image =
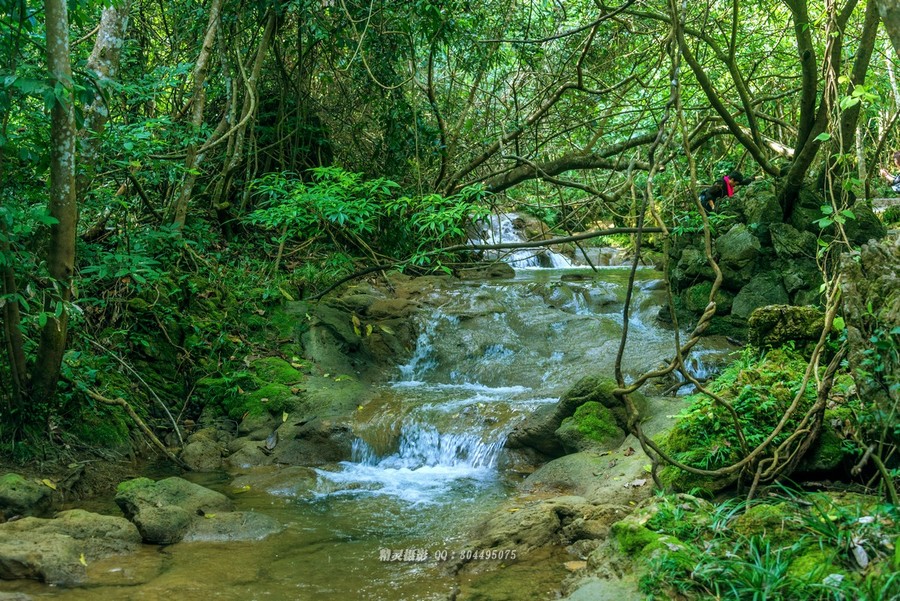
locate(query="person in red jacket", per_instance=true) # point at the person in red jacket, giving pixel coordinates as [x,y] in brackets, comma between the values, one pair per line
[722,188]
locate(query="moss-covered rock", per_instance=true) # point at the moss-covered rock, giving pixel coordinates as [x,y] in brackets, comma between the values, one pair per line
[632,537]
[19,496]
[696,298]
[777,523]
[773,326]
[592,426]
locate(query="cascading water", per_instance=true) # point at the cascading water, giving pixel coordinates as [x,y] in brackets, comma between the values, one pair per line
[500,228]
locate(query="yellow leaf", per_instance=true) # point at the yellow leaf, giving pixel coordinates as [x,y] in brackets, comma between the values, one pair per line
[368,329]
[46,482]
[285,294]
[209,516]
[82,560]
[386,329]
[284,416]
[326,375]
[264,400]
[359,408]
[356,331]
[513,510]
[356,321]
[244,488]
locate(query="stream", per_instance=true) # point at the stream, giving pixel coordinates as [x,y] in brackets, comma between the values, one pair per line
[429,462]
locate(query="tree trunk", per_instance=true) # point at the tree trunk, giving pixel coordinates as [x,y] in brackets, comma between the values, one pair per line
[103,64]
[62,206]
[890,15]
[198,100]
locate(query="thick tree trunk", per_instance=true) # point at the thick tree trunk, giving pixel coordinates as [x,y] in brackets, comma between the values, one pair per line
[890,15]
[62,206]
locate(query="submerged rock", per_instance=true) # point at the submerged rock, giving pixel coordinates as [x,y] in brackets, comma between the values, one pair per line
[231,527]
[19,496]
[57,550]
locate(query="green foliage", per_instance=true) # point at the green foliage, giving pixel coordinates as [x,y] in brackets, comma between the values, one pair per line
[691,222]
[347,209]
[801,546]
[760,388]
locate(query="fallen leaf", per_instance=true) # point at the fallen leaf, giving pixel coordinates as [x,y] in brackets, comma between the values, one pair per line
[46,482]
[209,516]
[244,488]
[629,451]
[386,329]
[574,566]
[368,329]
[860,555]
[284,416]
[513,510]
[82,560]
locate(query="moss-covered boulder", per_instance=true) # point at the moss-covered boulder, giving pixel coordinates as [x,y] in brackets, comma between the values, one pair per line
[163,510]
[777,523]
[760,389]
[773,326]
[19,496]
[57,550]
[696,298]
[539,430]
[592,426]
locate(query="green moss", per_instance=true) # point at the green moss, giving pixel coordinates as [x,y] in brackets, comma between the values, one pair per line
[595,421]
[813,565]
[274,369]
[633,538]
[759,388]
[272,397]
[134,484]
[696,298]
[777,523]
[100,427]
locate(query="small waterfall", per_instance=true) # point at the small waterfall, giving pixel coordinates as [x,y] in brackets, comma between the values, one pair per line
[502,228]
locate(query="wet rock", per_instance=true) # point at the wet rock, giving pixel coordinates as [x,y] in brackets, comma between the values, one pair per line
[313,443]
[56,550]
[163,510]
[530,526]
[696,298]
[248,454]
[257,427]
[19,496]
[764,289]
[601,589]
[774,325]
[493,271]
[539,430]
[203,455]
[279,481]
[231,527]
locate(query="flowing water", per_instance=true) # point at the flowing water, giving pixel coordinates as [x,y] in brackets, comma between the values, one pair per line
[429,463]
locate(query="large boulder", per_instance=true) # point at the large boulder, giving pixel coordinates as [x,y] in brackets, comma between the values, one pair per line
[790,242]
[738,248]
[541,430]
[764,289]
[232,526]
[19,496]
[774,325]
[865,227]
[163,510]
[57,550]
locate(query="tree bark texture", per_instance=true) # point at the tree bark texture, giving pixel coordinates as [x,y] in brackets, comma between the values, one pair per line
[62,206]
